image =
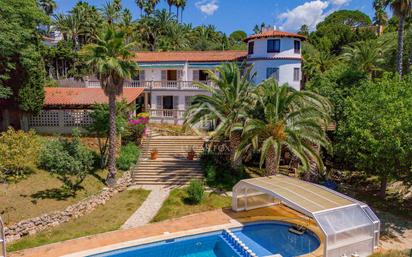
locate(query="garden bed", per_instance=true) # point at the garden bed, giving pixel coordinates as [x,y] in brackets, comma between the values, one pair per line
[178,205]
[104,218]
[41,193]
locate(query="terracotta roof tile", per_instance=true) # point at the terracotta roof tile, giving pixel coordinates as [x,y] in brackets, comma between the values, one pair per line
[274,33]
[190,56]
[84,96]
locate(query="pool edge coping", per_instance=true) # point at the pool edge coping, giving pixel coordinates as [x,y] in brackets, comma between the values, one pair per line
[153,239]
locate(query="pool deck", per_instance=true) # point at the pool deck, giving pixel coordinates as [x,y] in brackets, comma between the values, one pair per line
[193,224]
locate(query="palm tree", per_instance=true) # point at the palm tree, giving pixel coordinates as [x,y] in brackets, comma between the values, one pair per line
[179,4]
[381,17]
[111,11]
[183,6]
[366,56]
[110,58]
[140,4]
[402,9]
[48,6]
[170,3]
[226,104]
[286,119]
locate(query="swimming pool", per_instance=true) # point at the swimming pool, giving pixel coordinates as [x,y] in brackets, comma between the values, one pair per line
[262,238]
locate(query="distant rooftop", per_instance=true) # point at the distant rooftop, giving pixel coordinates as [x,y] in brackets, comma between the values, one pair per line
[274,33]
[190,56]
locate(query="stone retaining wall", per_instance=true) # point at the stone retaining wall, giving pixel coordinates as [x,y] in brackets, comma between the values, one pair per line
[34,225]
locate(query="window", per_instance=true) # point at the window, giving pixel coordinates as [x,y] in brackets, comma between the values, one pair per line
[251,47]
[203,76]
[188,101]
[297,46]
[273,45]
[296,74]
[272,73]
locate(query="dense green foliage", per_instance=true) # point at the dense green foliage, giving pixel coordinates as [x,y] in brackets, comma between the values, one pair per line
[195,191]
[286,120]
[129,154]
[19,151]
[376,133]
[99,127]
[21,64]
[69,160]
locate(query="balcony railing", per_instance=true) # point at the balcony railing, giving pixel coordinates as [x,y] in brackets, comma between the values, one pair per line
[164,85]
[167,113]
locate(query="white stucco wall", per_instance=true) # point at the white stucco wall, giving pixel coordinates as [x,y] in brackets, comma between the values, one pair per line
[181,94]
[286,69]
[286,48]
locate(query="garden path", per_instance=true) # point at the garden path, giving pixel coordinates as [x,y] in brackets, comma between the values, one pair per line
[149,208]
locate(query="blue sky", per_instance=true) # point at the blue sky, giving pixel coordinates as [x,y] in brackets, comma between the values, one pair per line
[231,15]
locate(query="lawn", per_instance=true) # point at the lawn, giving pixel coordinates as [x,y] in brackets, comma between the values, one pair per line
[40,193]
[177,205]
[391,253]
[104,218]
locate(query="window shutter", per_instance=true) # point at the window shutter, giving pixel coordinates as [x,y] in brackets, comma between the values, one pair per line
[142,75]
[164,75]
[159,103]
[175,102]
[195,75]
[180,75]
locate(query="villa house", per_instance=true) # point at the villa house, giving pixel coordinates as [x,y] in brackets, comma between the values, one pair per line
[168,78]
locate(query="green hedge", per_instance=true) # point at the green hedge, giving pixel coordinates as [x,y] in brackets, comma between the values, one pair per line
[129,154]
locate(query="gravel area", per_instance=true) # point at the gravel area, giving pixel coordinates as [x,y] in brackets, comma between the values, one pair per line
[150,207]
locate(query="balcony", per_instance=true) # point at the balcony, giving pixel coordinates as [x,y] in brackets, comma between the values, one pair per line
[157,85]
[169,116]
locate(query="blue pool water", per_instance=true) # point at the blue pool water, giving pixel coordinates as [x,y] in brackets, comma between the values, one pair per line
[263,238]
[274,238]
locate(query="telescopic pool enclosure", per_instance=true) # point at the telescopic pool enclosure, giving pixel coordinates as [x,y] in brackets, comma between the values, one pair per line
[350,227]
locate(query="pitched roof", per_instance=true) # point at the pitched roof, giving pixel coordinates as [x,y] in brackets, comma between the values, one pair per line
[274,33]
[85,96]
[190,56]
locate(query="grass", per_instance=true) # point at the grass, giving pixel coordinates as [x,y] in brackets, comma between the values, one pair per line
[104,218]
[40,193]
[177,205]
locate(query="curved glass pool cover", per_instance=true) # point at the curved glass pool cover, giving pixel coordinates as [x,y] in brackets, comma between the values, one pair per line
[349,226]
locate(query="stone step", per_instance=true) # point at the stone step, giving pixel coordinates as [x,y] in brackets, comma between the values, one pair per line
[183,181]
[167,177]
[165,167]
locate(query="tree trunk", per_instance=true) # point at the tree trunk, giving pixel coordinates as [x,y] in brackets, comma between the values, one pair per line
[410,61]
[313,169]
[271,162]
[384,183]
[234,139]
[181,16]
[177,14]
[399,56]
[111,176]
[170,9]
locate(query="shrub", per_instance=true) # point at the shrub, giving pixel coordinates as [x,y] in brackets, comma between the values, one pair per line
[210,171]
[128,156]
[195,191]
[71,161]
[18,154]
[135,129]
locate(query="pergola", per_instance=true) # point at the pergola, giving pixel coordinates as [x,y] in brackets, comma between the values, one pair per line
[349,226]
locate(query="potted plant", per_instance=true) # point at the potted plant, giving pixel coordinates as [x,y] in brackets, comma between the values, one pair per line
[191,154]
[153,154]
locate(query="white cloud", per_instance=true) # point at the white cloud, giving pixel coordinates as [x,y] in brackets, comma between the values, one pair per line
[309,13]
[339,2]
[208,7]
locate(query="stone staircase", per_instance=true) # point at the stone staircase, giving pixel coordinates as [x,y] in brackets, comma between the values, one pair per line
[172,167]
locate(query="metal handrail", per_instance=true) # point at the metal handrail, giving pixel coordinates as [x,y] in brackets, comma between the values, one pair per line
[2,238]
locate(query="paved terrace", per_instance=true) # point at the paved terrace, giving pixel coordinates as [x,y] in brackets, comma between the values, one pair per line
[192,224]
